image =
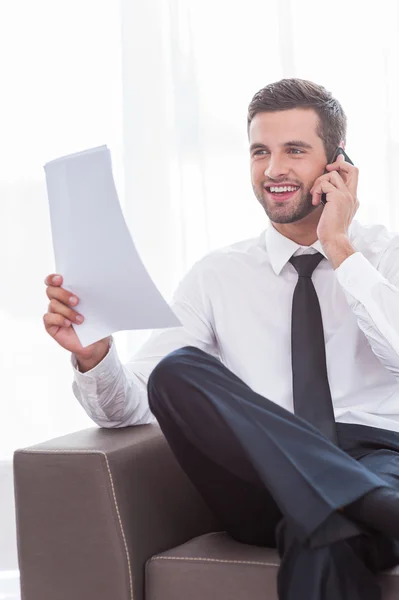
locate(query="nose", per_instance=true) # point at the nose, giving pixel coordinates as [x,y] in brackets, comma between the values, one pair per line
[276,167]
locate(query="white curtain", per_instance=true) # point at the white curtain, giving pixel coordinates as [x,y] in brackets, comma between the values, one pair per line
[61,92]
[190,69]
[166,84]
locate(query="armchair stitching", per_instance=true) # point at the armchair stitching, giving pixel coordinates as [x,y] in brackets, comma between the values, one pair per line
[121,526]
[217,560]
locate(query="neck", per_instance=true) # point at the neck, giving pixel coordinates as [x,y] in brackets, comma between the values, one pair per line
[303,232]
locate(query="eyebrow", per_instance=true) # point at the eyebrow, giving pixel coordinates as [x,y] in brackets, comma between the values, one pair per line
[290,144]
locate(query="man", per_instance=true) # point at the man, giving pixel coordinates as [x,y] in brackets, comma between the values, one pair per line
[280,394]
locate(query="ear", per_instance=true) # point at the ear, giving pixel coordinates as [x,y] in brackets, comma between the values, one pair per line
[342,145]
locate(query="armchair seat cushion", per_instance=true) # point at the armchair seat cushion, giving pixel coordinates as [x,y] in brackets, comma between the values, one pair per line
[215,566]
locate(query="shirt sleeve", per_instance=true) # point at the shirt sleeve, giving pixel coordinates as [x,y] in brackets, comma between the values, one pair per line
[115,395]
[373,295]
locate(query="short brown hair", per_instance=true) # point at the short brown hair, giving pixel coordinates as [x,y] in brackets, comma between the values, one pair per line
[299,93]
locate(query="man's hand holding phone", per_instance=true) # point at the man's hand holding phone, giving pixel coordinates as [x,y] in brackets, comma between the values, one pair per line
[339,184]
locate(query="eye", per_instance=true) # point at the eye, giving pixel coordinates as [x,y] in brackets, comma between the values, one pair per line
[296,151]
[259,152]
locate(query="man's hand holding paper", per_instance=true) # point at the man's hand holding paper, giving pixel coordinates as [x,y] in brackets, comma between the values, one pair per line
[96,256]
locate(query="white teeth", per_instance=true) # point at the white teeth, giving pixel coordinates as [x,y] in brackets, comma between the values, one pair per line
[287,188]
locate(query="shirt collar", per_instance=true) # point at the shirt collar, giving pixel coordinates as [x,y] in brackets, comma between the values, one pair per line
[280,248]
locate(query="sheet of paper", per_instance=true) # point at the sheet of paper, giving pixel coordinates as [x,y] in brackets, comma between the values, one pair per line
[94,251]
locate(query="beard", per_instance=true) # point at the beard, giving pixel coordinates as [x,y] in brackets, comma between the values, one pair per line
[288,211]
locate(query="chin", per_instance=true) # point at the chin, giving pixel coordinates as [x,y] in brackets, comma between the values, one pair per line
[289,213]
[293,214]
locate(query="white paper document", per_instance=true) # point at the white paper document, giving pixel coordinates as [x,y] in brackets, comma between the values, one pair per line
[94,251]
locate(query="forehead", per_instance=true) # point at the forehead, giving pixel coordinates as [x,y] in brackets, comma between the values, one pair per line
[278,127]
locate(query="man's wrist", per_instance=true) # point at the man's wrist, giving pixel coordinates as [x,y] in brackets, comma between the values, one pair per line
[100,352]
[338,250]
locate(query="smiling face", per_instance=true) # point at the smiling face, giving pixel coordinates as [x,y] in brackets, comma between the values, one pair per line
[286,151]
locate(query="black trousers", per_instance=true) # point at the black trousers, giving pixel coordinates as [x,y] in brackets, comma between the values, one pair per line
[274,480]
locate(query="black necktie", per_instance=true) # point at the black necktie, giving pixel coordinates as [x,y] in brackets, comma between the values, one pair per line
[312,396]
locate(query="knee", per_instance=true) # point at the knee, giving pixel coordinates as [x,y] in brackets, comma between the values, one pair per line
[167,377]
[172,365]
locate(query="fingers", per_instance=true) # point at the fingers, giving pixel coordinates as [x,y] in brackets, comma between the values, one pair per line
[341,165]
[53,322]
[60,308]
[57,292]
[323,187]
[62,295]
[338,167]
[53,279]
[61,300]
[333,178]
[348,172]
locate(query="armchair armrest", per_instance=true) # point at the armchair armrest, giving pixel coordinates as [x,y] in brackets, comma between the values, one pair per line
[93,506]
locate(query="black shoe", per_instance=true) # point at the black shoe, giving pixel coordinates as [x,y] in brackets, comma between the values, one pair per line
[378,510]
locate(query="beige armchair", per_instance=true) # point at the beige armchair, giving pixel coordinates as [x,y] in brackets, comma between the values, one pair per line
[107,514]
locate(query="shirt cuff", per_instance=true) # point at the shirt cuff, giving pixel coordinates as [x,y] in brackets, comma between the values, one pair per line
[358,277]
[105,369]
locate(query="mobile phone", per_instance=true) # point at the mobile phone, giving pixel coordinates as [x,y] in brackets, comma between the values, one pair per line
[337,152]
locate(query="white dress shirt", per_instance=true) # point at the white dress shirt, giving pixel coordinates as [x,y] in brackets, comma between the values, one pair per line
[236,302]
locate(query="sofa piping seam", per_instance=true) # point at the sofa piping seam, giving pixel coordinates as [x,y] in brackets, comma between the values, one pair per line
[60,450]
[218,560]
[120,525]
